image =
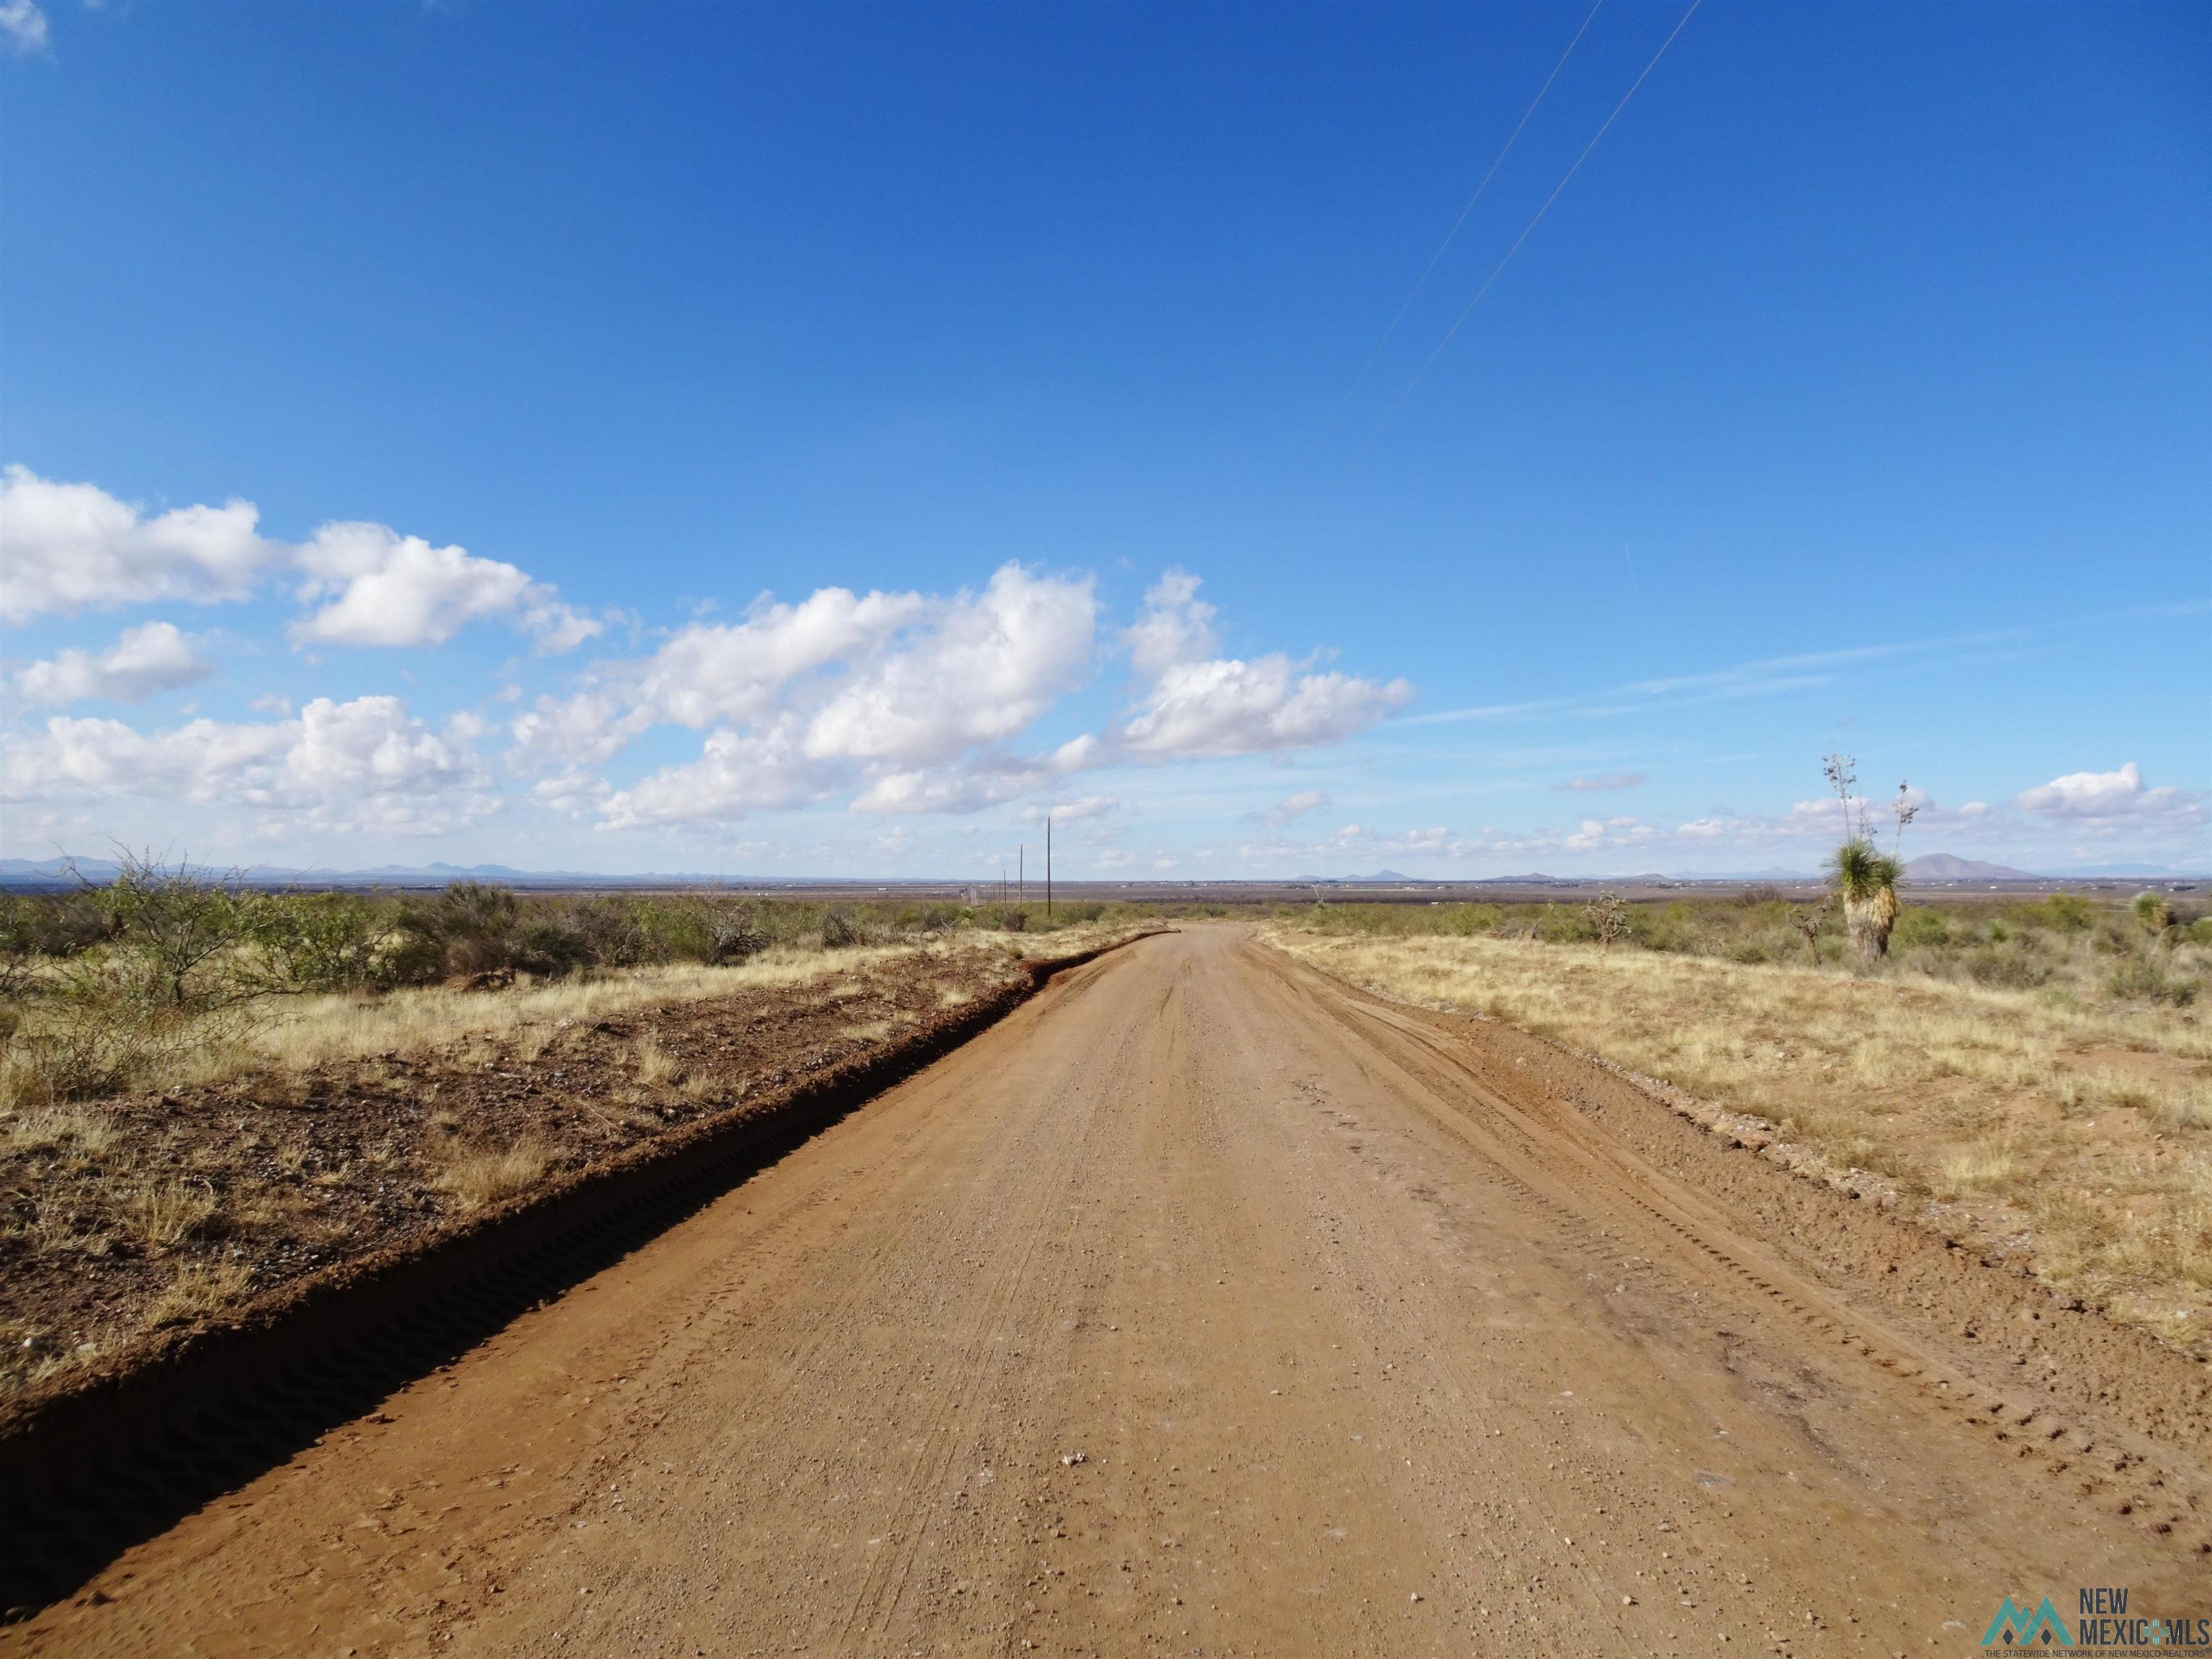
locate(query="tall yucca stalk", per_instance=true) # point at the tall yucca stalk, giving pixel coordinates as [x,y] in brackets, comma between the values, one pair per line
[1867,881]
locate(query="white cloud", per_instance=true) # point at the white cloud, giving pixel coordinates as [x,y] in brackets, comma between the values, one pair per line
[944,790]
[736,773]
[1229,707]
[151,658]
[1176,626]
[2110,797]
[580,730]
[711,673]
[982,672]
[1072,811]
[1292,806]
[24,25]
[1600,781]
[1196,705]
[366,764]
[386,589]
[909,699]
[74,547]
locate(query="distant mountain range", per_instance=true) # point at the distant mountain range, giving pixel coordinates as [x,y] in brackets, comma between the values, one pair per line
[1943,866]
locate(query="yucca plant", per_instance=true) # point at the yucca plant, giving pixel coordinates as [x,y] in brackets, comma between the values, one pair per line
[1866,879]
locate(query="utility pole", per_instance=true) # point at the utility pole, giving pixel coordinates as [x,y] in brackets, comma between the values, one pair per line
[1021,873]
[1047,867]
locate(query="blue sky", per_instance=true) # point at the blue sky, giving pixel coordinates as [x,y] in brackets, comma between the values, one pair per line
[819,439]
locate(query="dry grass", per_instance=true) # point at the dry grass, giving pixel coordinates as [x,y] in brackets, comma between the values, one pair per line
[163,1214]
[2081,1135]
[521,1021]
[73,1129]
[197,1290]
[479,1175]
[656,1067]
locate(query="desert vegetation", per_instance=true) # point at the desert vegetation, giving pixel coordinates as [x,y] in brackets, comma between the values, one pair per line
[2035,1075]
[206,1090]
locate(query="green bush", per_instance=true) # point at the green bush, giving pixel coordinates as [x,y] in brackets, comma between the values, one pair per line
[1922,924]
[323,942]
[2067,913]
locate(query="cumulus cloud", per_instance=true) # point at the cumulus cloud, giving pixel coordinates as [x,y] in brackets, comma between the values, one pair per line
[911,700]
[145,660]
[1197,705]
[1229,706]
[72,547]
[2110,798]
[1602,781]
[23,25]
[984,671]
[381,588]
[737,772]
[366,764]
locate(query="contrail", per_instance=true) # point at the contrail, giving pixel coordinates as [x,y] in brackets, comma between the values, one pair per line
[1428,270]
[1424,369]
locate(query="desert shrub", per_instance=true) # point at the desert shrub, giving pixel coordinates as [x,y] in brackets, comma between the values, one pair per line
[736,934]
[180,937]
[2013,965]
[1922,924]
[2067,913]
[50,924]
[311,942]
[550,946]
[2153,912]
[107,1026]
[613,934]
[469,928]
[839,930]
[2142,980]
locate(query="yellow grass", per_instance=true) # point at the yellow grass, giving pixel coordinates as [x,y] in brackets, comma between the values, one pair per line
[476,1177]
[2083,1135]
[163,1214]
[316,1030]
[198,1290]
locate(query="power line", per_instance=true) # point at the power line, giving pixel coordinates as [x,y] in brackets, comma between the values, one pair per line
[1421,373]
[1428,270]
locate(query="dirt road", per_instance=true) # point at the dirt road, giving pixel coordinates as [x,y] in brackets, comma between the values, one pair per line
[1204,1306]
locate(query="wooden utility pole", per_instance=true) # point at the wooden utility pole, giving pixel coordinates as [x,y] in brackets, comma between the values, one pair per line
[1021,873]
[1047,867]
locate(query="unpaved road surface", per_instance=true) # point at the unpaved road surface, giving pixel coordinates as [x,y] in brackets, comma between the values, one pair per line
[1205,1306]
